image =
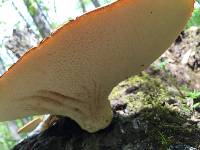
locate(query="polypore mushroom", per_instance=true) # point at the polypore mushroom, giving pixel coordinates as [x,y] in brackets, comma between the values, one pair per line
[72,72]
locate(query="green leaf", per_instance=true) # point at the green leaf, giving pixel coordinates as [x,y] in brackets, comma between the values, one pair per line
[196,105]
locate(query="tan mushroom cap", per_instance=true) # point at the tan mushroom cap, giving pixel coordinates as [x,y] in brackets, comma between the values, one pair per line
[72,72]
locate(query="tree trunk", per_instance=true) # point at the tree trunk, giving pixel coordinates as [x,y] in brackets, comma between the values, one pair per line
[96,3]
[38,18]
[82,6]
[21,41]
[40,7]
[2,67]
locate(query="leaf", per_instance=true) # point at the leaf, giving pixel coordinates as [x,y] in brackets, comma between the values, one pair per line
[196,105]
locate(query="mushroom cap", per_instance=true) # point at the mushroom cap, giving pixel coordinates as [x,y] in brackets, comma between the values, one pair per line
[72,72]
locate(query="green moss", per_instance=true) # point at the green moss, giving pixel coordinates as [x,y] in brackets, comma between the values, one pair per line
[167,127]
[149,98]
[150,92]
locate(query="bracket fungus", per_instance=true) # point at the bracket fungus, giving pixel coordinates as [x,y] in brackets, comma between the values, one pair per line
[72,72]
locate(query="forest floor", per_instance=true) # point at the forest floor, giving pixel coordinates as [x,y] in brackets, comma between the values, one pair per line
[158,109]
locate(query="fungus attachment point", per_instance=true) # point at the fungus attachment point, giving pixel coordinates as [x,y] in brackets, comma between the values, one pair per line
[72,72]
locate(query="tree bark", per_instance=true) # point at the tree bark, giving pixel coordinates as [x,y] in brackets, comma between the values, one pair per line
[41,8]
[21,41]
[38,18]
